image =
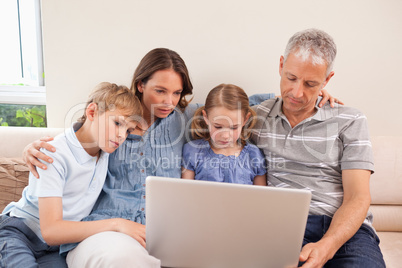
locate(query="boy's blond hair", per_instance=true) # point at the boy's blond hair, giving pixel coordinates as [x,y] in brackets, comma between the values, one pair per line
[109,96]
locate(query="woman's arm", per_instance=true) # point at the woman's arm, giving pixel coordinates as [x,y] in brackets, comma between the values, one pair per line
[258,98]
[187,174]
[260,180]
[327,97]
[57,231]
[31,154]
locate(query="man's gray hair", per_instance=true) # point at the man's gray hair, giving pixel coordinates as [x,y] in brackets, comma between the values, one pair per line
[313,44]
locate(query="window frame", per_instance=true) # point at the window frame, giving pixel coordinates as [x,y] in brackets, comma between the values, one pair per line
[21,94]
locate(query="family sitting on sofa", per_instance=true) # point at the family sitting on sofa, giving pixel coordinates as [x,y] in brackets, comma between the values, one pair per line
[114,137]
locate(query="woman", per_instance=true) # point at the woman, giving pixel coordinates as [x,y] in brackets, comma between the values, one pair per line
[161,81]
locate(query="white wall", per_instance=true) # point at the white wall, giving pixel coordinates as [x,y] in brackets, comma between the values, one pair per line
[239,42]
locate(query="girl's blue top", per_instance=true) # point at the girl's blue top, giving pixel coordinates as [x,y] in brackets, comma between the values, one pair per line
[199,157]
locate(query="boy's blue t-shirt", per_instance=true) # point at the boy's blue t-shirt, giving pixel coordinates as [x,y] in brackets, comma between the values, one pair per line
[209,166]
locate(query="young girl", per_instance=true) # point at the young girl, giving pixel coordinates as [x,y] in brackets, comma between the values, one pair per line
[219,151]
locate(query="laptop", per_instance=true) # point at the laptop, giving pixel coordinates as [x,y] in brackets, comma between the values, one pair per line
[192,223]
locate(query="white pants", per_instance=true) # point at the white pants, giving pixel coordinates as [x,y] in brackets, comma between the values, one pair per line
[111,249]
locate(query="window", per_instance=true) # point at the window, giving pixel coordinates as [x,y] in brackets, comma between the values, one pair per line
[21,64]
[22,115]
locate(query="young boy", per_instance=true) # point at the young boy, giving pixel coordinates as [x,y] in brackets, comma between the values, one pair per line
[50,210]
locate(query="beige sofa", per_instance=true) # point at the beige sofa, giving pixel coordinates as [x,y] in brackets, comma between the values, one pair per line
[386,182]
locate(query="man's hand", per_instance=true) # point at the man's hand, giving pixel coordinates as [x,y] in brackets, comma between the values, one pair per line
[346,220]
[316,254]
[31,154]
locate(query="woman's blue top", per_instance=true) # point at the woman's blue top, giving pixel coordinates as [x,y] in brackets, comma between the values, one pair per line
[199,157]
[157,153]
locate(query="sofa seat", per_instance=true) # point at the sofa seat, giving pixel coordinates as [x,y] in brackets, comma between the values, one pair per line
[391,247]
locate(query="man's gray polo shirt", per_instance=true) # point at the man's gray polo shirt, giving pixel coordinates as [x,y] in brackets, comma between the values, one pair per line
[313,154]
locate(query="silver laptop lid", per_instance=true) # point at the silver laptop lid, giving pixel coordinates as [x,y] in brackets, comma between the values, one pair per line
[209,224]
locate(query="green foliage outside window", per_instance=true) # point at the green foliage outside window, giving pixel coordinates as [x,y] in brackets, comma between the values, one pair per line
[22,115]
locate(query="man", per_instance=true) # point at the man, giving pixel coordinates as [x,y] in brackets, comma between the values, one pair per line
[325,150]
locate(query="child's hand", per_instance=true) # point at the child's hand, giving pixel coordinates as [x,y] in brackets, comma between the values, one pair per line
[133,229]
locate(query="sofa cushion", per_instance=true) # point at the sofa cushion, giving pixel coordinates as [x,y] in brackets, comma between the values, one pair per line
[386,182]
[387,218]
[13,179]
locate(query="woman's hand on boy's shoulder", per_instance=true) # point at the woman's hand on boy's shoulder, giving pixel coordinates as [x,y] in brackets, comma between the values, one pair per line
[32,154]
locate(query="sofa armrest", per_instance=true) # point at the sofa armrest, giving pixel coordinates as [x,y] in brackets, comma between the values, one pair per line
[13,179]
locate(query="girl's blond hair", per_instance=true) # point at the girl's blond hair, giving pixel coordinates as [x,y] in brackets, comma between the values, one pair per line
[230,97]
[109,96]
